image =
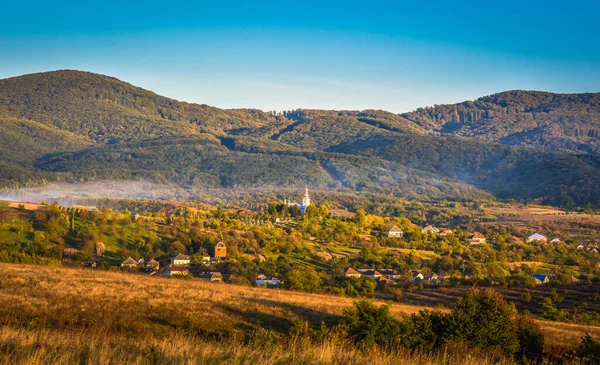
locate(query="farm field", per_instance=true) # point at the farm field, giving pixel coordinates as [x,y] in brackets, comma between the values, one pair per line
[539,216]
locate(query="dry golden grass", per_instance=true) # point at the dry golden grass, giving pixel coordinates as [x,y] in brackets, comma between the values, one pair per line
[53,347]
[63,315]
[94,298]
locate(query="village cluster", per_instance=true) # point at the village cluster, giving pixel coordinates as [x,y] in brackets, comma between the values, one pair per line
[429,277]
[181,265]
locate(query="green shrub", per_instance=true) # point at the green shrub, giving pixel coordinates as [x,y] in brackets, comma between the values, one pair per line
[368,325]
[589,350]
[484,319]
[531,339]
[428,330]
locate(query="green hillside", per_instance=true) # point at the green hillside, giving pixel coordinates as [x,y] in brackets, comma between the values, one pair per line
[74,126]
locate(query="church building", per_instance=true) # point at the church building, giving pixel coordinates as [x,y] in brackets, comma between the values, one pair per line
[305,202]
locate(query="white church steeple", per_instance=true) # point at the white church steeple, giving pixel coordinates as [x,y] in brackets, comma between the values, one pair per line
[306,199]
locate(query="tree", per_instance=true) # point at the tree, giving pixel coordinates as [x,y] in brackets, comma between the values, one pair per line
[531,339]
[324,211]
[483,318]
[370,325]
[360,217]
[303,279]
[311,212]
[294,210]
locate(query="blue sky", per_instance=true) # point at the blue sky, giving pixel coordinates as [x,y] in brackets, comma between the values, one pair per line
[275,55]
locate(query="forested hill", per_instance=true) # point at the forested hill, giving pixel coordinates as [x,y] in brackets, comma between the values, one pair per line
[74,126]
[106,109]
[560,122]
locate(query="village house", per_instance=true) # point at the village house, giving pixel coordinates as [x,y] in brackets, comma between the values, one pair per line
[446,232]
[556,240]
[212,277]
[516,240]
[262,279]
[580,246]
[129,263]
[431,229]
[205,257]
[180,259]
[476,239]
[395,232]
[370,273]
[390,274]
[173,270]
[429,278]
[417,277]
[536,237]
[541,279]
[153,265]
[351,273]
[220,251]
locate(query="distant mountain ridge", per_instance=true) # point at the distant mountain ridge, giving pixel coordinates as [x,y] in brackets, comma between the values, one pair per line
[74,125]
[558,122]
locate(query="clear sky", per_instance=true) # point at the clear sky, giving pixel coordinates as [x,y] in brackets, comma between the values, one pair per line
[278,55]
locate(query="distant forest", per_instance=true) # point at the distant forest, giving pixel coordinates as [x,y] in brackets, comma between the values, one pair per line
[77,126]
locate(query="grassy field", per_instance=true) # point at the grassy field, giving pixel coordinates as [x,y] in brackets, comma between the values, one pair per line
[65,315]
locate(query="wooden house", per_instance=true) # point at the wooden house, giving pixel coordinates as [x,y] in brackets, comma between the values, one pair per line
[476,239]
[173,270]
[180,260]
[536,237]
[541,279]
[390,274]
[129,263]
[351,273]
[430,229]
[395,232]
[370,273]
[212,276]
[153,265]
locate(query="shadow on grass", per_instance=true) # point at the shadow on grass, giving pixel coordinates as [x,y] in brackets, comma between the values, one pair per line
[314,317]
[263,319]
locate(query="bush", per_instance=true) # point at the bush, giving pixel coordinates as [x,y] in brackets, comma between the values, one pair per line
[428,330]
[589,350]
[484,319]
[531,340]
[303,279]
[368,325]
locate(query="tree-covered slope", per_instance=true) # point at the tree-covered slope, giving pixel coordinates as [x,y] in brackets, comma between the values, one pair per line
[106,109]
[72,125]
[561,122]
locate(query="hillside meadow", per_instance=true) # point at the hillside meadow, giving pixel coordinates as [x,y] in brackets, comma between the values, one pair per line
[67,315]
